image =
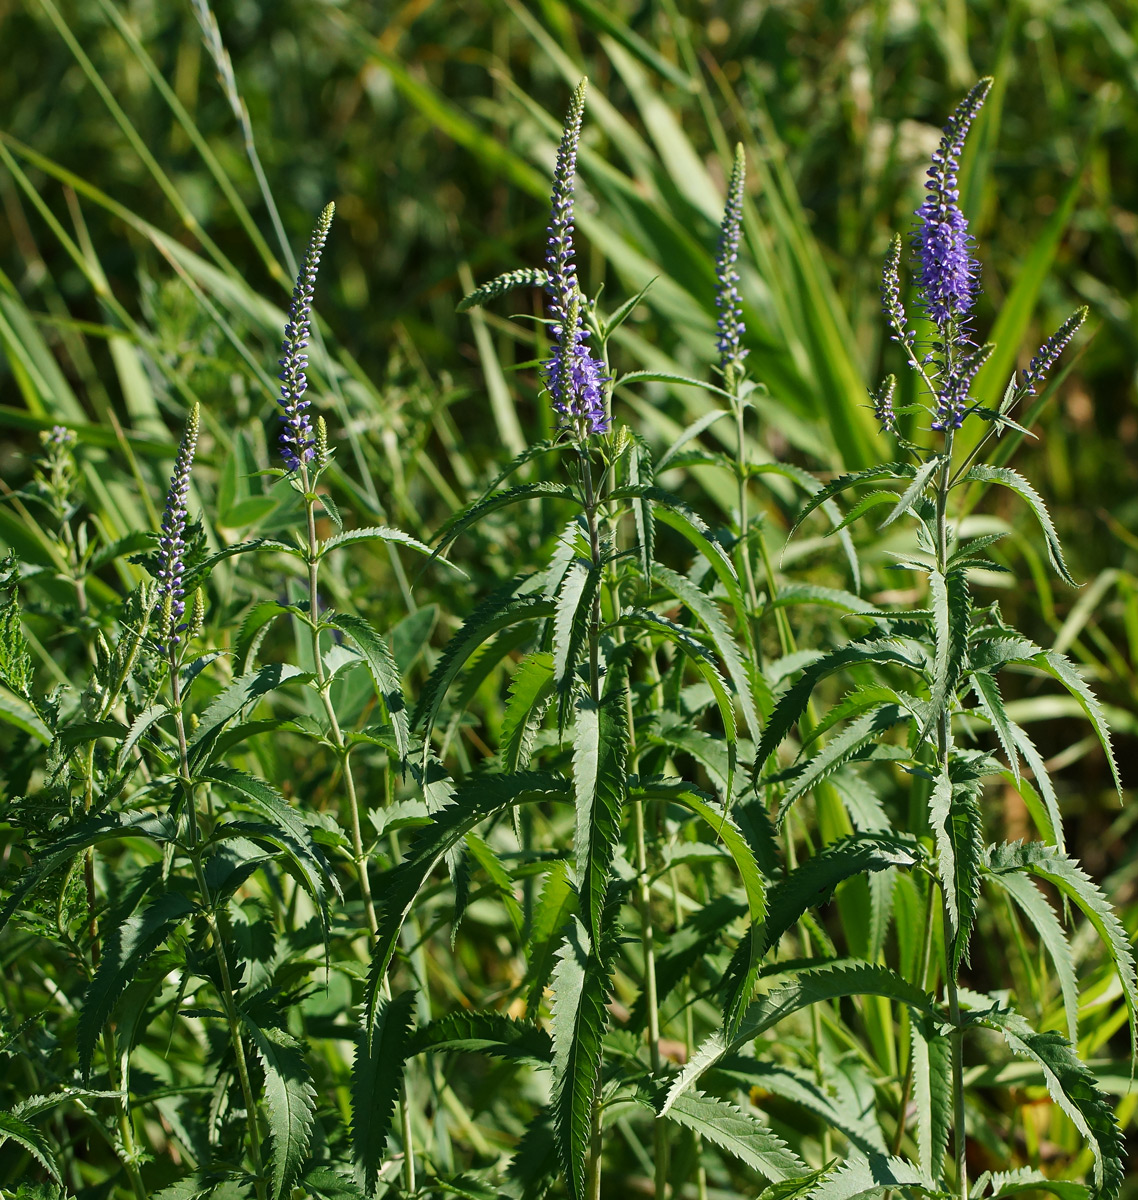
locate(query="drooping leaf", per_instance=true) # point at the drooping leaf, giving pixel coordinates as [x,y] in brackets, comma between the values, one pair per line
[374,533]
[913,492]
[810,986]
[127,945]
[474,512]
[580,993]
[485,1032]
[600,751]
[982,473]
[813,881]
[377,1075]
[1050,864]
[738,1133]
[530,685]
[894,470]
[34,1142]
[385,674]
[290,1101]
[228,703]
[1073,1088]
[1043,919]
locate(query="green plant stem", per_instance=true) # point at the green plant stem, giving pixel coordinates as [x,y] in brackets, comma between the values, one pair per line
[922,976]
[944,749]
[227,993]
[118,1081]
[323,688]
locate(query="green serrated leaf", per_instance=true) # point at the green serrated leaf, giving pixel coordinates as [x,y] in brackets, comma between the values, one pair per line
[290,1101]
[530,686]
[385,674]
[738,1133]
[485,1032]
[377,1075]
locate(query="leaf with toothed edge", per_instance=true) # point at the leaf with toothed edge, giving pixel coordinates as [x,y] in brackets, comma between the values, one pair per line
[1072,1086]
[290,1101]
[530,686]
[29,1137]
[600,747]
[385,674]
[377,1075]
[580,995]
[1067,877]
[811,986]
[871,1176]
[738,1133]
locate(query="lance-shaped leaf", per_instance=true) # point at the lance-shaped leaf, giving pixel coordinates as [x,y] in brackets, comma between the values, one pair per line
[375,533]
[496,612]
[19,1131]
[127,945]
[812,883]
[895,470]
[600,751]
[871,1176]
[952,609]
[377,1075]
[913,492]
[472,802]
[1073,1088]
[991,704]
[228,703]
[522,277]
[1067,877]
[1042,918]
[954,817]
[530,686]
[982,473]
[810,986]
[571,620]
[708,613]
[792,704]
[642,473]
[385,674]
[473,513]
[290,1101]
[932,1092]
[88,832]
[1041,801]
[491,1033]
[839,750]
[558,900]
[1013,1183]
[738,1133]
[580,994]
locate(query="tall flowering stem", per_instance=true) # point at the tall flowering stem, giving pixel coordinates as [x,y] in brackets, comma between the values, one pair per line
[947,269]
[297,440]
[574,377]
[172,541]
[727,298]
[171,591]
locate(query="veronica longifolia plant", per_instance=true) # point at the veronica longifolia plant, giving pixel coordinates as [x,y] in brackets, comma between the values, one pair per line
[937,681]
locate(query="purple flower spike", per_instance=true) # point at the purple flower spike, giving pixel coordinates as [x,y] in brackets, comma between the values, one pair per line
[891,294]
[1049,352]
[947,268]
[576,385]
[297,441]
[727,298]
[171,542]
[883,404]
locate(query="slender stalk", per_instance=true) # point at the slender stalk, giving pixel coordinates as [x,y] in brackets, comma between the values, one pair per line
[922,977]
[228,1000]
[323,689]
[944,750]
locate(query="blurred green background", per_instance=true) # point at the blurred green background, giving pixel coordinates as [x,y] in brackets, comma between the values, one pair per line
[152,181]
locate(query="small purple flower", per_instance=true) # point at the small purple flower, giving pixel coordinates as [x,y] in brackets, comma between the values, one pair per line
[883,404]
[171,542]
[947,269]
[953,397]
[727,298]
[297,441]
[576,384]
[1049,352]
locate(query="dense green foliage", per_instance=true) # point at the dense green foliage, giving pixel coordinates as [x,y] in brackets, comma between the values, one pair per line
[691,809]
